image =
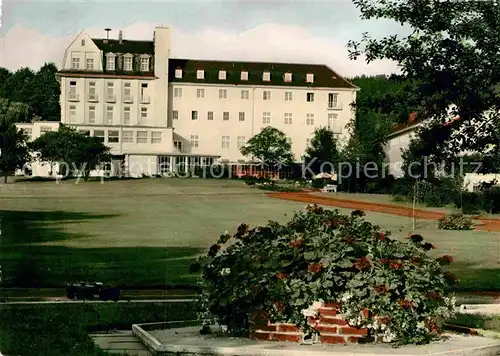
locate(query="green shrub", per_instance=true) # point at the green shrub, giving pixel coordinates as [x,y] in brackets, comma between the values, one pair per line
[278,187]
[318,183]
[492,200]
[324,255]
[471,203]
[455,222]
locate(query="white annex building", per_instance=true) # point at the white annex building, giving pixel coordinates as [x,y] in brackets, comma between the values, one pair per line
[157,113]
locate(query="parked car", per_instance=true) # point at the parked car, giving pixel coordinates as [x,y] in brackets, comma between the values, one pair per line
[91,291]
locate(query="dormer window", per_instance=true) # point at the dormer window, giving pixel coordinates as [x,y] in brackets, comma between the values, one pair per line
[178,73]
[144,64]
[200,74]
[287,77]
[127,63]
[82,42]
[266,76]
[75,63]
[310,78]
[222,75]
[110,61]
[244,75]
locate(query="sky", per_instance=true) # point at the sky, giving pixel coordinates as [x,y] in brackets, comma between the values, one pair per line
[37,31]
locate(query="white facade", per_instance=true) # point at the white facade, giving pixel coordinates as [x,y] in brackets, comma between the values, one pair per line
[151,114]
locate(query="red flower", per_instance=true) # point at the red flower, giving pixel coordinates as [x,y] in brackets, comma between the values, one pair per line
[213,250]
[282,276]
[433,296]
[242,230]
[382,289]
[349,240]
[358,212]
[449,277]
[395,265]
[296,243]
[279,306]
[314,208]
[384,320]
[444,260]
[416,260]
[315,267]
[362,263]
[406,304]
[386,261]
[428,246]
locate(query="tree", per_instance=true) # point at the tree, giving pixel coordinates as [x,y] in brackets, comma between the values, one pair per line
[75,152]
[322,155]
[270,147]
[13,141]
[450,55]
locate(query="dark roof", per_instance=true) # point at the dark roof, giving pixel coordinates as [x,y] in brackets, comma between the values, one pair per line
[79,73]
[127,46]
[323,76]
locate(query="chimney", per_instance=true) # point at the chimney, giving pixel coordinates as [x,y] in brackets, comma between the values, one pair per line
[120,37]
[107,35]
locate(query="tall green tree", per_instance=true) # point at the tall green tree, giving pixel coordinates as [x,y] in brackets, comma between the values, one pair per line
[451,55]
[322,155]
[13,141]
[271,147]
[72,150]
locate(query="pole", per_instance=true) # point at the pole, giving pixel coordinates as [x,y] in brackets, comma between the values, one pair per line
[414,202]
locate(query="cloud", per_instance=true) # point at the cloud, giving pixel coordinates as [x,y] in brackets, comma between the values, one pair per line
[266,42]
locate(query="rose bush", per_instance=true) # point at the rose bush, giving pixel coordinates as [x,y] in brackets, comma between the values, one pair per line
[325,255]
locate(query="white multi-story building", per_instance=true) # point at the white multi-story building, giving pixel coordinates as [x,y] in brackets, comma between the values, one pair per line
[157,112]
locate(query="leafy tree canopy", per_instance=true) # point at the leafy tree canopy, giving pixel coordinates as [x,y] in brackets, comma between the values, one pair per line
[322,155]
[76,152]
[270,147]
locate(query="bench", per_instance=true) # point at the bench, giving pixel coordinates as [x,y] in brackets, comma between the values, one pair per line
[330,188]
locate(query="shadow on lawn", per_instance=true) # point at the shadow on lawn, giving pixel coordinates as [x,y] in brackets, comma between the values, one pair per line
[474,279]
[25,264]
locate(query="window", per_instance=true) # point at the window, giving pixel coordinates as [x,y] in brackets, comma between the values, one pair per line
[331,121]
[113,136]
[266,76]
[200,74]
[45,129]
[110,92]
[91,116]
[225,116]
[194,141]
[92,94]
[222,94]
[72,113]
[75,63]
[266,118]
[210,115]
[126,116]
[287,77]
[177,92]
[90,64]
[288,96]
[333,100]
[127,64]
[244,75]
[310,97]
[222,75]
[310,78]
[82,42]
[99,134]
[310,119]
[175,115]
[128,136]
[156,137]
[226,143]
[84,132]
[178,145]
[144,64]
[142,137]
[241,116]
[144,116]
[266,95]
[178,73]
[200,93]
[288,118]
[110,62]
[245,94]
[241,141]
[194,115]
[109,115]
[127,92]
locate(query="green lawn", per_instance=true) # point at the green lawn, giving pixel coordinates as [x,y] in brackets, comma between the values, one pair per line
[146,232]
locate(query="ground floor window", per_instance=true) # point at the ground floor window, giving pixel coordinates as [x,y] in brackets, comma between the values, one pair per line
[180,164]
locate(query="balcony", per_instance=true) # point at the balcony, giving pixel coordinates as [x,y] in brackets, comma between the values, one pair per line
[144,99]
[110,99]
[332,105]
[128,99]
[73,97]
[93,98]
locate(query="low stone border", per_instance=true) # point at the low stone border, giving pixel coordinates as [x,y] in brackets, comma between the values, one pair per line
[141,332]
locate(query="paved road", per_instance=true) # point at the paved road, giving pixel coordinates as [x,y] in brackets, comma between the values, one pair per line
[102,301]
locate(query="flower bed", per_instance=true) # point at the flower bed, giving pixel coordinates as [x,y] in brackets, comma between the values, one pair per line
[266,282]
